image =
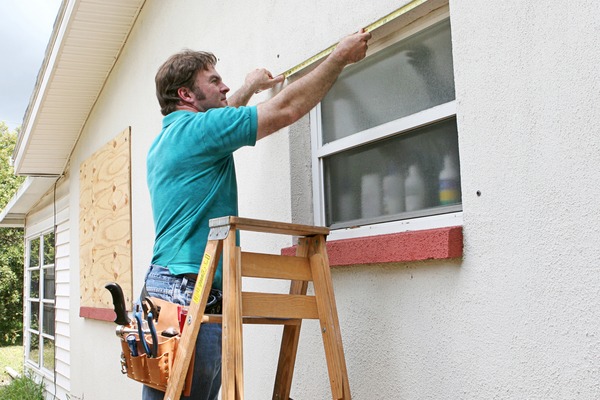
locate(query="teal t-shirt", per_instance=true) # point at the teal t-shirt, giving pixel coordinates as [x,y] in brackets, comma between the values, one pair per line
[191,179]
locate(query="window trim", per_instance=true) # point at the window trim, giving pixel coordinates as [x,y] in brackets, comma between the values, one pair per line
[452,216]
[389,129]
[38,365]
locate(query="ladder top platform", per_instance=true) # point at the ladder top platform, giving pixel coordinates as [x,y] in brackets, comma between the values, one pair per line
[257,225]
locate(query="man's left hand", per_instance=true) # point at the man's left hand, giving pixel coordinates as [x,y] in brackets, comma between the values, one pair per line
[261,79]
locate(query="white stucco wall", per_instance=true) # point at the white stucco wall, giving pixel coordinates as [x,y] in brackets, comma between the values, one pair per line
[517,317]
[528,90]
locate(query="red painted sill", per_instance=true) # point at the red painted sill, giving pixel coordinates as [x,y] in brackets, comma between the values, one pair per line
[431,244]
[101,314]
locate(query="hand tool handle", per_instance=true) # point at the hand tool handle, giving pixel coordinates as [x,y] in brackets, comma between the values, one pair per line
[153,334]
[119,303]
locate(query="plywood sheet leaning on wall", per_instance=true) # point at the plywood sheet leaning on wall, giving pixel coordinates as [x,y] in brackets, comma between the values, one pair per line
[105,225]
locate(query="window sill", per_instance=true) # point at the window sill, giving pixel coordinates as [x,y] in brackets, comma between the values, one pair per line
[430,244]
[100,314]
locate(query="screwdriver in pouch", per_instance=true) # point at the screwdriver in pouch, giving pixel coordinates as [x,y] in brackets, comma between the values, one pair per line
[132,343]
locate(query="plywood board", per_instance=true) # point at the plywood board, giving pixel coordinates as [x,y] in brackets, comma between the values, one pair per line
[105,223]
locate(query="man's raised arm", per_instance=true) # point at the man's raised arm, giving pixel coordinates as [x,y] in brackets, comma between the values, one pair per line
[297,99]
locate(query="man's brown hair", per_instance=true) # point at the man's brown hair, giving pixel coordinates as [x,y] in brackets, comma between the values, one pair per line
[179,71]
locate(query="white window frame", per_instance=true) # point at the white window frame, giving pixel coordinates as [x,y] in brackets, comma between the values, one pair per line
[39,365]
[390,129]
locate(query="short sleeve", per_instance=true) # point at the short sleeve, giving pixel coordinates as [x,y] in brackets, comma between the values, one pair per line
[224,130]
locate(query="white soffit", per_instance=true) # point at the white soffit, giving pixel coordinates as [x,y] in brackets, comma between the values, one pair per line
[86,42]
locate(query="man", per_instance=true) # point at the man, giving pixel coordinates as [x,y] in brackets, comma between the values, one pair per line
[191,173]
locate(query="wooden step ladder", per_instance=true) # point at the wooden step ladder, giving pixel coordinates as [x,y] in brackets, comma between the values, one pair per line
[309,264]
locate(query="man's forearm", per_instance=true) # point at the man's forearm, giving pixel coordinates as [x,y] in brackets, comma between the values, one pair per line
[304,94]
[241,97]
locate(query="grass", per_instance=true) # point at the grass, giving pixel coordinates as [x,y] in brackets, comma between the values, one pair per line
[10,356]
[25,386]
[22,388]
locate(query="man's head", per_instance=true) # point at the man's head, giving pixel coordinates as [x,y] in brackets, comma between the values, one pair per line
[186,79]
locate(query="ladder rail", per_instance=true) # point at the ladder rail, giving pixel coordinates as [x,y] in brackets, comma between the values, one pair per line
[187,343]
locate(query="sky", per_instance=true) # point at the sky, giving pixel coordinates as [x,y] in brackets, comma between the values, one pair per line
[25,29]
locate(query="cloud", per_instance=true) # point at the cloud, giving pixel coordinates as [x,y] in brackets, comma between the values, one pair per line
[25,28]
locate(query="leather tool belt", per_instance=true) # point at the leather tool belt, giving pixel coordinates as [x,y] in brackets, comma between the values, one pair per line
[148,357]
[149,343]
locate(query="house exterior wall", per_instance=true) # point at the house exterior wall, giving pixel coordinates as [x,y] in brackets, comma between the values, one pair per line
[514,318]
[63,303]
[524,325]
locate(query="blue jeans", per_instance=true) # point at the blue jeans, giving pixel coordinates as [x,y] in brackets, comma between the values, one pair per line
[206,382]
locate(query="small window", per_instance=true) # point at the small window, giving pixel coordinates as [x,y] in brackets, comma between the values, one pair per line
[386,136]
[39,300]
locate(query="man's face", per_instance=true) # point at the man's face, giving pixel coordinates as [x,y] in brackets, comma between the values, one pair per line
[209,90]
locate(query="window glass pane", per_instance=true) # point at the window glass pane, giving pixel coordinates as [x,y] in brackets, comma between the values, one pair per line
[34,321]
[34,284]
[413,75]
[48,283]
[34,252]
[48,355]
[34,348]
[48,319]
[49,248]
[395,178]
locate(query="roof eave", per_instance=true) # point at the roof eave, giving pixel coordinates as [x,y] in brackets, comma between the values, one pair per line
[27,196]
[85,44]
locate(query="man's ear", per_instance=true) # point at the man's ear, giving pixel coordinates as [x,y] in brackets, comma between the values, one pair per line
[185,94]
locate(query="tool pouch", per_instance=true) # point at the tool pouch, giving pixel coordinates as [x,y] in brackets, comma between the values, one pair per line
[155,371]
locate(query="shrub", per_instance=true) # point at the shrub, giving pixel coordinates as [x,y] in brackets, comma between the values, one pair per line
[11,248]
[11,286]
[22,388]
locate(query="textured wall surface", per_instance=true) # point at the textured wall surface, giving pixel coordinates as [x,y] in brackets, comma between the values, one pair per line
[517,317]
[528,93]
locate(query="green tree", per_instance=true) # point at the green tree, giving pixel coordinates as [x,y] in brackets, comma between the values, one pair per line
[11,248]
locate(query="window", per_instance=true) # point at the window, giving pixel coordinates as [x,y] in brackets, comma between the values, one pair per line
[385,142]
[39,300]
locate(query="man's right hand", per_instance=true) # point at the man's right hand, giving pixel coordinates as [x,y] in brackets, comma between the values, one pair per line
[352,48]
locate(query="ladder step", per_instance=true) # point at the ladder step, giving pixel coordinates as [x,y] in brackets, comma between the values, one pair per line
[273,305]
[272,266]
[217,319]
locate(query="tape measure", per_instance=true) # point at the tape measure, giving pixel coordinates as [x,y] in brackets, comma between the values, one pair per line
[371,27]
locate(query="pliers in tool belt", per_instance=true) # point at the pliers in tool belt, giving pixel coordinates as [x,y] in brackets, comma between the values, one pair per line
[151,312]
[153,334]
[138,319]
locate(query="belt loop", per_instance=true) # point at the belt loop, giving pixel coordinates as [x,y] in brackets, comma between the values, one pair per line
[183,286]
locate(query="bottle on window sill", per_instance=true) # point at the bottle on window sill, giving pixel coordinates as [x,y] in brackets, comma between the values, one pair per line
[414,189]
[393,192]
[347,204]
[449,190]
[370,196]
